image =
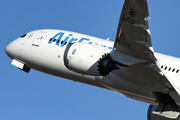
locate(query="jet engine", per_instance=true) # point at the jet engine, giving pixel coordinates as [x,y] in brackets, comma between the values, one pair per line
[162,115]
[88,59]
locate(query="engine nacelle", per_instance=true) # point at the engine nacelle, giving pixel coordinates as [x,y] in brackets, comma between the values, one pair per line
[83,58]
[165,115]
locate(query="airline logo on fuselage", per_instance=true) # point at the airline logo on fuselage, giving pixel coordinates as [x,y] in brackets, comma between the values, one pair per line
[58,39]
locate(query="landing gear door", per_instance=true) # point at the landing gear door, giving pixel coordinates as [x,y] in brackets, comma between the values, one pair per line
[38,39]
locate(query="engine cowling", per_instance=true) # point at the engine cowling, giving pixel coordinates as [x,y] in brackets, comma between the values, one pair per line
[87,59]
[165,115]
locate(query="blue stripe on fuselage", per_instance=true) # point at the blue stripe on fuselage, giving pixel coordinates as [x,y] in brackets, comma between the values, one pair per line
[58,39]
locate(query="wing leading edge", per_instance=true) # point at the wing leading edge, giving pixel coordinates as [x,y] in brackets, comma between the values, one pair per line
[133,47]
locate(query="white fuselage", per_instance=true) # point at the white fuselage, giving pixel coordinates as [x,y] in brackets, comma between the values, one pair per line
[43,50]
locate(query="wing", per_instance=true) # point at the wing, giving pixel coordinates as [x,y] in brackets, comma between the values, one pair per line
[133,35]
[133,48]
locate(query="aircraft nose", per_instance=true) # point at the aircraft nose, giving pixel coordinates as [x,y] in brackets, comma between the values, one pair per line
[12,49]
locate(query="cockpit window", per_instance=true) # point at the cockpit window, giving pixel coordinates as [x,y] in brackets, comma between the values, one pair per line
[23,35]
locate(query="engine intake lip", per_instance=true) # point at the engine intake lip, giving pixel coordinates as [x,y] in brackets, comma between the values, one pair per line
[66,60]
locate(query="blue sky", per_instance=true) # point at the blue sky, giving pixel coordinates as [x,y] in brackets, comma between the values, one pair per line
[38,96]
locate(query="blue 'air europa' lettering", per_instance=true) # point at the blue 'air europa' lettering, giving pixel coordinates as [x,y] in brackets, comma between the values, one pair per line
[58,39]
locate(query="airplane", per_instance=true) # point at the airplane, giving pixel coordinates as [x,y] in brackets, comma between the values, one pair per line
[128,65]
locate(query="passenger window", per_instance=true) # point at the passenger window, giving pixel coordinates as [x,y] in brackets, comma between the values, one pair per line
[169,69]
[23,35]
[173,70]
[162,66]
[165,68]
[54,40]
[50,39]
[177,71]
